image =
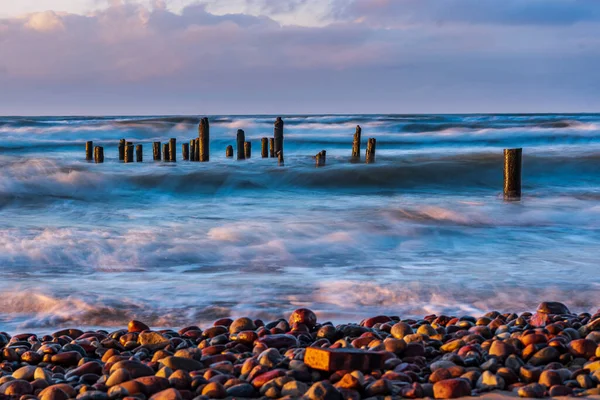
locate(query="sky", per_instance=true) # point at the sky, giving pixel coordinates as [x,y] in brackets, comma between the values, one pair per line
[120,57]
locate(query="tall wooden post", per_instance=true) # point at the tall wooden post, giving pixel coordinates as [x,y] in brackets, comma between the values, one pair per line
[122,150]
[512,173]
[204,136]
[264,147]
[272,147]
[278,135]
[321,158]
[370,154]
[247,150]
[356,143]
[89,150]
[241,139]
[139,155]
[229,151]
[156,151]
[192,150]
[185,151]
[172,149]
[166,152]
[129,152]
[99,154]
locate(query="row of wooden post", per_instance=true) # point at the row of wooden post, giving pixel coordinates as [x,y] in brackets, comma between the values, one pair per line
[198,150]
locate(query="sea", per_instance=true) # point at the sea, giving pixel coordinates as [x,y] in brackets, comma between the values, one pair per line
[422,230]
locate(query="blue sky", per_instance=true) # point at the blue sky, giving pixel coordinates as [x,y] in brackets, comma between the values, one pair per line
[298,56]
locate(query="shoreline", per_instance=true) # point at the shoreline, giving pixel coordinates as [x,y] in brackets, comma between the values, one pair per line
[546,352]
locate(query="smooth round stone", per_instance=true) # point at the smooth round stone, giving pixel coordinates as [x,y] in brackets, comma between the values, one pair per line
[242,324]
[582,348]
[552,307]
[294,388]
[501,349]
[270,358]
[451,389]
[560,390]
[135,368]
[303,316]
[185,364]
[167,394]
[152,339]
[137,326]
[214,390]
[53,393]
[119,376]
[323,391]
[490,381]
[550,378]
[26,373]
[400,330]
[16,387]
[544,356]
[441,364]
[533,390]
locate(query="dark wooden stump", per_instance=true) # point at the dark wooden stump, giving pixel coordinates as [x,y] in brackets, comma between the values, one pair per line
[185,151]
[229,151]
[278,135]
[166,152]
[280,158]
[89,150]
[129,152]
[156,151]
[370,154]
[139,154]
[321,158]
[247,150]
[204,136]
[241,139]
[356,143]
[264,147]
[513,159]
[193,150]
[271,147]
[172,149]
[99,154]
[122,150]
[332,360]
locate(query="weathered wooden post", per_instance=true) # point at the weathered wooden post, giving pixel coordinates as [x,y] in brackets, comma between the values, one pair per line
[512,173]
[156,151]
[271,147]
[320,158]
[122,150]
[278,135]
[356,143]
[139,155]
[229,151]
[247,150]
[166,152]
[192,150]
[280,158]
[185,151]
[264,147]
[204,136]
[197,150]
[370,154]
[173,149]
[99,154]
[129,152]
[89,150]
[241,139]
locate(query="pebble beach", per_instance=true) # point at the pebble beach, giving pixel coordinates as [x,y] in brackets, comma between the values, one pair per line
[547,352]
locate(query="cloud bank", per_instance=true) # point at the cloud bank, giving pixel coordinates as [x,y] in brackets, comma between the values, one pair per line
[261,56]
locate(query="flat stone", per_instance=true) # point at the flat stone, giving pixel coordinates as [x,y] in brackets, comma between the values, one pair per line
[533,390]
[167,394]
[279,341]
[241,390]
[544,356]
[152,339]
[185,364]
[332,360]
[451,389]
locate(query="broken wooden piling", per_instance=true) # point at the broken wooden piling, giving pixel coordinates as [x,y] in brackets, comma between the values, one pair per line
[272,147]
[320,158]
[165,152]
[156,151]
[229,151]
[264,147]
[370,153]
[172,149]
[129,152]
[204,136]
[247,150]
[99,154]
[139,155]
[192,150]
[513,159]
[122,150]
[278,135]
[356,143]
[240,140]
[185,151]
[280,158]
[89,150]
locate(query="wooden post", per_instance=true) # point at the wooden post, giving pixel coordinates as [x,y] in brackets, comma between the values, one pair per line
[320,158]
[264,147]
[139,155]
[99,154]
[356,143]
[512,173]
[241,138]
[280,158]
[129,152]
[185,151]
[156,151]
[370,154]
[204,136]
[229,151]
[192,150]
[278,135]
[173,149]
[271,147]
[89,150]
[122,150]
[166,152]
[247,150]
